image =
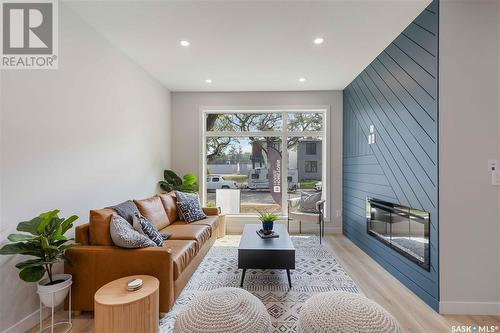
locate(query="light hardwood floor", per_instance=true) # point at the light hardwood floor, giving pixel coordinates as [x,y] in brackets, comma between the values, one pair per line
[377,284]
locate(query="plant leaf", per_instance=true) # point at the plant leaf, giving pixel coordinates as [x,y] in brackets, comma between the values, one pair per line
[68,223]
[29,263]
[166,186]
[172,178]
[19,248]
[32,274]
[20,237]
[30,226]
[47,218]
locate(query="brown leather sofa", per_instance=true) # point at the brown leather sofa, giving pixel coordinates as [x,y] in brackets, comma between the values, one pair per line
[96,261]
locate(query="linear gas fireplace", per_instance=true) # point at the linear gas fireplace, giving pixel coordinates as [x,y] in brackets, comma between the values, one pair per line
[403,229]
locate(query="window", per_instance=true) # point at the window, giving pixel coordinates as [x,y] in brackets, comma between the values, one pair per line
[250,149]
[215,179]
[311,148]
[311,166]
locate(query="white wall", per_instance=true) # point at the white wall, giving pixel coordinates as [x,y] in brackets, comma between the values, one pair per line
[186,136]
[93,133]
[469,222]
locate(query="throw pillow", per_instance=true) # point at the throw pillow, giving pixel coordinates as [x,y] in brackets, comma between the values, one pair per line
[189,207]
[143,226]
[126,210]
[307,203]
[124,235]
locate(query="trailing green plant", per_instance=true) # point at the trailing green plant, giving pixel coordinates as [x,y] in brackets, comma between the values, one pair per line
[172,182]
[43,238]
[264,216]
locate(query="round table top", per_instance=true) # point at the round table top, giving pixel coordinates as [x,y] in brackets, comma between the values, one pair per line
[116,293]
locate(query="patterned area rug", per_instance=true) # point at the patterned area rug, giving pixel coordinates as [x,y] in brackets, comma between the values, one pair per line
[316,271]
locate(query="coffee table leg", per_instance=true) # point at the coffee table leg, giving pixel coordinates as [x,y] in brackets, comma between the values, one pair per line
[289,279]
[243,277]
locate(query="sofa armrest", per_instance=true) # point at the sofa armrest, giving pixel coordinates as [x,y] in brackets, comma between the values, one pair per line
[82,234]
[94,266]
[211,210]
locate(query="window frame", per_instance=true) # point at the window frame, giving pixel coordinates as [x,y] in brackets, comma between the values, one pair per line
[284,134]
[315,148]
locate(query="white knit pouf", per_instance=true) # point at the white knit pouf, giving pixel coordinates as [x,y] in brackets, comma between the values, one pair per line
[224,310]
[336,312]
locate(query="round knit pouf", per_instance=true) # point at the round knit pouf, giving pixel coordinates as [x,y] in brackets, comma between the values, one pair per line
[336,312]
[223,310]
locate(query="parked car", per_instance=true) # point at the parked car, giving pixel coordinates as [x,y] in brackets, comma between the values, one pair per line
[258,179]
[218,182]
[318,186]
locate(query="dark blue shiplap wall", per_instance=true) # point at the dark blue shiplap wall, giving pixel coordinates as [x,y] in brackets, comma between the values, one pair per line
[398,94]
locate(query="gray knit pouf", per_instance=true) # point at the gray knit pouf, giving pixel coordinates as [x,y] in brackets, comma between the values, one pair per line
[224,310]
[336,312]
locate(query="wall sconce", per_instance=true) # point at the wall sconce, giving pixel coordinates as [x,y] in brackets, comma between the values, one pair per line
[371,136]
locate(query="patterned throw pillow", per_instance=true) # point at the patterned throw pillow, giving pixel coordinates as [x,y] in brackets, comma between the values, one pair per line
[189,207]
[143,226]
[124,235]
[126,210]
[307,203]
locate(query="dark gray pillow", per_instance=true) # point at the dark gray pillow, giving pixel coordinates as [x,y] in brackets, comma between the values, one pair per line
[126,210]
[189,207]
[143,226]
[307,202]
[124,235]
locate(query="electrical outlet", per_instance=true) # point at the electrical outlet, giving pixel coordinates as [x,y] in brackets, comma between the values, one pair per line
[492,165]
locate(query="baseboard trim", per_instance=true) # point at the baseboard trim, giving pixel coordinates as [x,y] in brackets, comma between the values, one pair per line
[470,308]
[30,321]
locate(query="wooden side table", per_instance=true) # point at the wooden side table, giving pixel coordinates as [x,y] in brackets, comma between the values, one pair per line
[118,310]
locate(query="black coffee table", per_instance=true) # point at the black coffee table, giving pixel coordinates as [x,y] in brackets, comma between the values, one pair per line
[271,253]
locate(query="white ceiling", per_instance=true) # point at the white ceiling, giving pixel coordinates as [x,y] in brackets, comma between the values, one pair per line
[251,45]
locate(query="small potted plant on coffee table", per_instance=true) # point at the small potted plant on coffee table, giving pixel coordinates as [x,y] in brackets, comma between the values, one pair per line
[43,238]
[267,220]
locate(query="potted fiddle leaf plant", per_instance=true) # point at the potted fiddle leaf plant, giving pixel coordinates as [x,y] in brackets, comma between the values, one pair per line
[43,239]
[172,182]
[267,220]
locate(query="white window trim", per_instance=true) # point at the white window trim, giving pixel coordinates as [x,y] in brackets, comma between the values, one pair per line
[284,109]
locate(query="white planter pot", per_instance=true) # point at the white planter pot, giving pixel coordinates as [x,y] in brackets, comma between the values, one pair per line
[55,293]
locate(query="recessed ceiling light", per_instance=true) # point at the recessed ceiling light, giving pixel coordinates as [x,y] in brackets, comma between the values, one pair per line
[184,43]
[318,40]
[302,79]
[208,80]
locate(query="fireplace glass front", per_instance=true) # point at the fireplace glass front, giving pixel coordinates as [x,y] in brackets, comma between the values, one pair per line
[404,229]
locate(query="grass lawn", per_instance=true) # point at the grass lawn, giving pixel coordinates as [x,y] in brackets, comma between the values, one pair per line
[307,184]
[237,178]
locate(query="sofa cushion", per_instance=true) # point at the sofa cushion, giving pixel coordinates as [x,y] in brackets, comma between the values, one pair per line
[99,221]
[169,202]
[153,210]
[211,221]
[198,233]
[182,252]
